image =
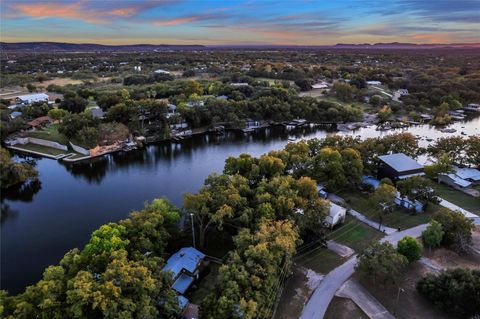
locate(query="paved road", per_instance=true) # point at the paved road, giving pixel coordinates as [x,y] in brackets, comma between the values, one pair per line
[371,223]
[323,294]
[353,290]
[364,219]
[339,249]
[454,207]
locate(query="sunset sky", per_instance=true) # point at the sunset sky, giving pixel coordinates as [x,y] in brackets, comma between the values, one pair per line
[301,22]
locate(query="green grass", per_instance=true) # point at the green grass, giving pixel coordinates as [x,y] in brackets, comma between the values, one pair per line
[50,133]
[456,197]
[399,217]
[334,100]
[204,286]
[319,259]
[41,149]
[355,234]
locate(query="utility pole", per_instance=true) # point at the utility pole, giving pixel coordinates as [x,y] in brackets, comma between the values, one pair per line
[193,230]
[398,298]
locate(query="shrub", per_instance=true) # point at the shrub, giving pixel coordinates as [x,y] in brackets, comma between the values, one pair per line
[410,248]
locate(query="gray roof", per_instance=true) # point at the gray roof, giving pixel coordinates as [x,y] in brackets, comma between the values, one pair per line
[400,162]
[186,258]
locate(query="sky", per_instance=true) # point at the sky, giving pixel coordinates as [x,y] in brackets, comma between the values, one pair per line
[241,22]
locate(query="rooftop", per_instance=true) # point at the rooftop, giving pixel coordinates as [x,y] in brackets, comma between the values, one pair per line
[400,162]
[182,283]
[186,258]
[33,97]
[335,209]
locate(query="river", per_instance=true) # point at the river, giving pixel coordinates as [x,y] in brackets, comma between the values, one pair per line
[42,224]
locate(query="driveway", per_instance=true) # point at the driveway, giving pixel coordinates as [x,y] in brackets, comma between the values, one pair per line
[351,289]
[323,294]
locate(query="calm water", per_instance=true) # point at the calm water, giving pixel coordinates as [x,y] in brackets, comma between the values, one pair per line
[43,223]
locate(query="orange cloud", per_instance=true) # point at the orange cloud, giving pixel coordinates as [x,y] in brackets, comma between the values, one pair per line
[176,21]
[433,37]
[72,11]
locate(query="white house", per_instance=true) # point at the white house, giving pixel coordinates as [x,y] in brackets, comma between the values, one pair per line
[336,215]
[31,98]
[374,83]
[461,177]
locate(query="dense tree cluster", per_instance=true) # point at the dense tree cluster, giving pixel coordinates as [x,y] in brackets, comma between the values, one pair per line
[463,151]
[455,291]
[111,277]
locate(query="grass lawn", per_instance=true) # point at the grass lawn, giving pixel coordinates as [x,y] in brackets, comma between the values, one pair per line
[334,100]
[355,234]
[319,259]
[458,198]
[50,133]
[400,217]
[41,149]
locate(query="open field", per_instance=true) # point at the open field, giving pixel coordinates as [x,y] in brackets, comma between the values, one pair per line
[355,234]
[458,198]
[400,217]
[58,81]
[342,308]
[411,305]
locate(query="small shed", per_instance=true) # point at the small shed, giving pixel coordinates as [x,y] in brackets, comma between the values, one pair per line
[336,215]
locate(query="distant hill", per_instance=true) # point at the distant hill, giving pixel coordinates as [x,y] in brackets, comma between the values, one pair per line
[398,45]
[91,47]
[83,47]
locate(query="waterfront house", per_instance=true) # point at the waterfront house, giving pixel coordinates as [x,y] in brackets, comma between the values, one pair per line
[31,98]
[39,121]
[472,107]
[185,266]
[398,166]
[336,215]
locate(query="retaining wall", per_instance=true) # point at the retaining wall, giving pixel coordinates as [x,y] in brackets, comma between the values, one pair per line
[80,149]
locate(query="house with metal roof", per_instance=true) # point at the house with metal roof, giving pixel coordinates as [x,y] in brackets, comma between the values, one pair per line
[398,166]
[185,266]
[31,98]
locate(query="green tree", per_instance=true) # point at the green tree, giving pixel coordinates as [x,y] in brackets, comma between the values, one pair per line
[457,229]
[381,261]
[13,173]
[382,200]
[328,168]
[57,114]
[384,113]
[410,248]
[352,165]
[417,188]
[432,236]
[442,165]
[343,91]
